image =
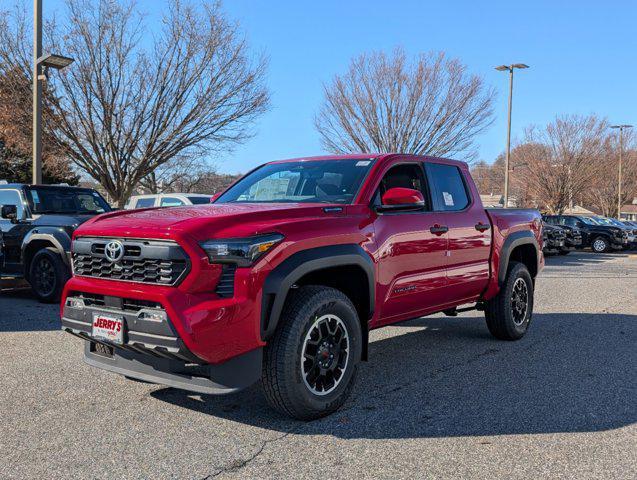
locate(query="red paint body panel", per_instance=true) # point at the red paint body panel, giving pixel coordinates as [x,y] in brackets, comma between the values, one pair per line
[417,272]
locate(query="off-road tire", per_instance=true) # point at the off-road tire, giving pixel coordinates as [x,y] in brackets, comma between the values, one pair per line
[282,377]
[500,310]
[48,261]
[600,245]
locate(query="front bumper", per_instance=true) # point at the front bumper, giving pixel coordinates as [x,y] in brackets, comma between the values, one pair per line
[152,349]
[228,377]
[553,245]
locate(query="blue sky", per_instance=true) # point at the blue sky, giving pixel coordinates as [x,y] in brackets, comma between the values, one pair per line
[582,56]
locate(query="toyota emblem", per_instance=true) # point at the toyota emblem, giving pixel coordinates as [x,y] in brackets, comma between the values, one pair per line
[114,251]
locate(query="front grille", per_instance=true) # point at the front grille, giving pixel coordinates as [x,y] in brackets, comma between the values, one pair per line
[144,261]
[225,287]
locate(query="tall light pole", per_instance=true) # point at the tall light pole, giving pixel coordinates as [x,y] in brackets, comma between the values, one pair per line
[37,92]
[509,68]
[619,178]
[41,65]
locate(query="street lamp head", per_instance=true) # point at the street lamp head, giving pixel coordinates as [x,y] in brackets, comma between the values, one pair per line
[621,126]
[58,62]
[509,68]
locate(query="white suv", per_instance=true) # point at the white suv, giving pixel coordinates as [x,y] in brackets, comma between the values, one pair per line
[167,200]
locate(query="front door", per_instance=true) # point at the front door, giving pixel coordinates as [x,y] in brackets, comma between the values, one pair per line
[12,234]
[411,257]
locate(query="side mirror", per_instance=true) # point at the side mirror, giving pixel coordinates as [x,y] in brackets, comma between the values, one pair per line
[399,199]
[10,212]
[215,196]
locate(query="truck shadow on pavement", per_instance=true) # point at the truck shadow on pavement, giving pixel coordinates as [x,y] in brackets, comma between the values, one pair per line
[445,377]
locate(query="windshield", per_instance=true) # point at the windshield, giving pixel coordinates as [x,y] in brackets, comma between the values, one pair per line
[588,221]
[65,201]
[199,200]
[605,221]
[616,222]
[320,181]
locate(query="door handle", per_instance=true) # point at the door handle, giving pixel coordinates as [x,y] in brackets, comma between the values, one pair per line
[439,229]
[482,227]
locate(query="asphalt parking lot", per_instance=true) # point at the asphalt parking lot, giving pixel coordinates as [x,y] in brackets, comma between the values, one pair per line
[438,398]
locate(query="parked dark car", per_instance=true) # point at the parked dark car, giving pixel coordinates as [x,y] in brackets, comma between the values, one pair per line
[632,231]
[572,240]
[37,222]
[599,237]
[554,239]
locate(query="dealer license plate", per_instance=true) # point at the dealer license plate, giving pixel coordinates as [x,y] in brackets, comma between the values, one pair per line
[108,327]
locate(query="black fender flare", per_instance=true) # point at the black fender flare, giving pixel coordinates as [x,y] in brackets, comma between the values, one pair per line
[281,279]
[59,238]
[524,237]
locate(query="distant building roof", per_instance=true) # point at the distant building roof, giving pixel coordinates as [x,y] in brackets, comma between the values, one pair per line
[631,208]
[578,210]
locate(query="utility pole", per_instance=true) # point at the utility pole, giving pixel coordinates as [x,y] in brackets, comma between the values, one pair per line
[619,177]
[37,92]
[509,68]
[41,65]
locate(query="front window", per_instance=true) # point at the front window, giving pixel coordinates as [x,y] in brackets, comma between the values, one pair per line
[63,200]
[319,181]
[11,197]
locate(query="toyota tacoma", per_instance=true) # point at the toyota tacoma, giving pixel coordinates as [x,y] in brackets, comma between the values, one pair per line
[283,276]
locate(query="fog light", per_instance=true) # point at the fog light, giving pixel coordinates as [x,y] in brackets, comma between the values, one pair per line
[153,315]
[75,303]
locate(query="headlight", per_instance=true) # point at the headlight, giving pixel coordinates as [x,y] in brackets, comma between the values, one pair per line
[242,251]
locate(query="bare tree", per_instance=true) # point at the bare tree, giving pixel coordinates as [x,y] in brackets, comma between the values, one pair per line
[125,110]
[602,194]
[563,159]
[489,178]
[387,104]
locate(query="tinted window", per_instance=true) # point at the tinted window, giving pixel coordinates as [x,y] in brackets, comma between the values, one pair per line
[145,203]
[320,181]
[11,197]
[170,202]
[199,200]
[448,187]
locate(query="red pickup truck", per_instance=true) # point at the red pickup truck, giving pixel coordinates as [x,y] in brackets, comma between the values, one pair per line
[283,276]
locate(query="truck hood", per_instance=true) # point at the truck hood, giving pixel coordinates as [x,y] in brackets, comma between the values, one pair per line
[49,220]
[203,221]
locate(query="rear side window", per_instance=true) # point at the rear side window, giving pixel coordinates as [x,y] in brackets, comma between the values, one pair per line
[448,187]
[145,203]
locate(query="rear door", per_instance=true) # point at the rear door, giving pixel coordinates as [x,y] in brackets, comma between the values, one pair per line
[469,247]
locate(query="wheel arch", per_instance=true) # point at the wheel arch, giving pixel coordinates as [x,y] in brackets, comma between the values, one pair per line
[519,247]
[346,267]
[41,238]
